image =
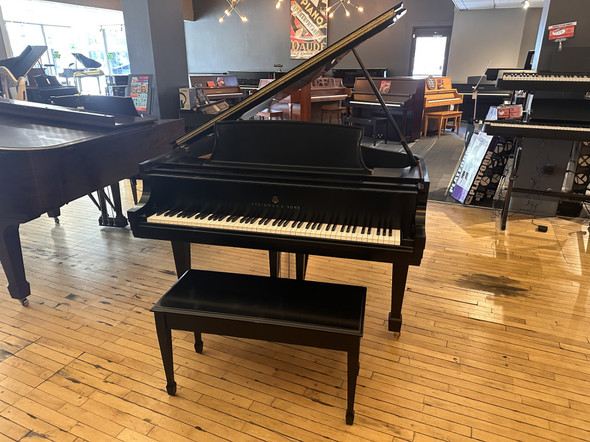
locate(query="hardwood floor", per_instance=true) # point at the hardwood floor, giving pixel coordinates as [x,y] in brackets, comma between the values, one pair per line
[494,346]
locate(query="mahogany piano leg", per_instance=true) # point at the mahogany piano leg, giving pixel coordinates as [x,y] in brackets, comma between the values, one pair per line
[398,287]
[11,257]
[120,220]
[301,265]
[182,256]
[274,261]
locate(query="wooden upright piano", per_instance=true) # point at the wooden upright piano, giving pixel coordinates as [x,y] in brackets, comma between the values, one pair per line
[439,94]
[51,155]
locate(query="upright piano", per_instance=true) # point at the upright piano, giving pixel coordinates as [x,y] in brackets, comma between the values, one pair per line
[439,94]
[289,186]
[51,155]
[404,97]
[218,87]
[321,90]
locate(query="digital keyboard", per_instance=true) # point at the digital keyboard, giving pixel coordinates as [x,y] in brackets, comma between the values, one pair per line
[554,131]
[533,80]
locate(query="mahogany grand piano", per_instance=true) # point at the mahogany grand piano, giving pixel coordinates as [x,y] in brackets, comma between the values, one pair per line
[51,155]
[290,186]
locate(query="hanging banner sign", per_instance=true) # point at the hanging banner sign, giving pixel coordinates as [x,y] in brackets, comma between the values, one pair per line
[309,28]
[564,30]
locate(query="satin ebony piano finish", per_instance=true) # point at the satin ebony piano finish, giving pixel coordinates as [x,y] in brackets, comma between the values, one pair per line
[282,172]
[404,98]
[50,155]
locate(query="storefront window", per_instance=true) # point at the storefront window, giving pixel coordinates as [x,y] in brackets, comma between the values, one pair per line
[97,33]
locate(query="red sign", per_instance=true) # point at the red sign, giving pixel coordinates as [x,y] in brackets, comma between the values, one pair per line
[564,30]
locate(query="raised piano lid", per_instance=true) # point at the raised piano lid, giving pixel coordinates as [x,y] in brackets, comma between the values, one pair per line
[193,142]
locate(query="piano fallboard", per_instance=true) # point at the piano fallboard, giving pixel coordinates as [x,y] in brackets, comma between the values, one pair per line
[552,130]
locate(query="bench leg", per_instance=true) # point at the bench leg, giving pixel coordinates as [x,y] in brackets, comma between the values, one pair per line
[398,287]
[353,370]
[165,341]
[301,265]
[274,261]
[198,342]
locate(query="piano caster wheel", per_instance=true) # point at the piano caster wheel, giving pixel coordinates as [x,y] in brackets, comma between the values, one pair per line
[24,302]
[171,389]
[349,417]
[56,220]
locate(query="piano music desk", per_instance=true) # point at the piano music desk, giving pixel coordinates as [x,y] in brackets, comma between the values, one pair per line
[442,118]
[291,311]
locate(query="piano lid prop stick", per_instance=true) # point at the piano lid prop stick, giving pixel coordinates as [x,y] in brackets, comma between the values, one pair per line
[399,133]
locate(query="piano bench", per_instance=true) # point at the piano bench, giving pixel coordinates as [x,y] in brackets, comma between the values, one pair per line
[373,122]
[332,110]
[291,311]
[442,118]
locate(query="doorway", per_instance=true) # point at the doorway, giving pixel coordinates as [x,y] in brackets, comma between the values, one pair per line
[430,51]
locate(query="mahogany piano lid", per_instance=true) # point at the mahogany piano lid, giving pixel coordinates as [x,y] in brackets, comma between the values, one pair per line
[34,126]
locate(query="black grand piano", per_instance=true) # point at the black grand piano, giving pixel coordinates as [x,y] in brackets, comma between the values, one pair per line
[290,186]
[51,155]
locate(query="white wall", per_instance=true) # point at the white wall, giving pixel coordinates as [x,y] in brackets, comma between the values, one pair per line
[499,36]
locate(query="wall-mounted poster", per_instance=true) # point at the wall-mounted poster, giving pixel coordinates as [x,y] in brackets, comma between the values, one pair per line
[309,28]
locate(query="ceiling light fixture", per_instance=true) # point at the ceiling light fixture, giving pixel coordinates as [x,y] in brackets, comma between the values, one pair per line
[344,4]
[278,5]
[525,4]
[232,7]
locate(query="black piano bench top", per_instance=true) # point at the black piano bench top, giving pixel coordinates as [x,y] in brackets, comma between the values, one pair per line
[292,311]
[302,304]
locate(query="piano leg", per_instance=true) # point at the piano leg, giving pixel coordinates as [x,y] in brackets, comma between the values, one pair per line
[398,288]
[120,220]
[182,256]
[11,257]
[301,264]
[105,220]
[274,261]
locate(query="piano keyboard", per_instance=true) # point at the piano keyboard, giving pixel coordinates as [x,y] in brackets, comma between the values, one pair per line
[532,80]
[272,226]
[375,103]
[532,130]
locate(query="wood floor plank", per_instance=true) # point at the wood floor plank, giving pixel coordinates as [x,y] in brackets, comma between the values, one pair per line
[495,343]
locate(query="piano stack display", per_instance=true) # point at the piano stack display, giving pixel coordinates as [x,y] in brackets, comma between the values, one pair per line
[290,186]
[555,120]
[51,155]
[403,96]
